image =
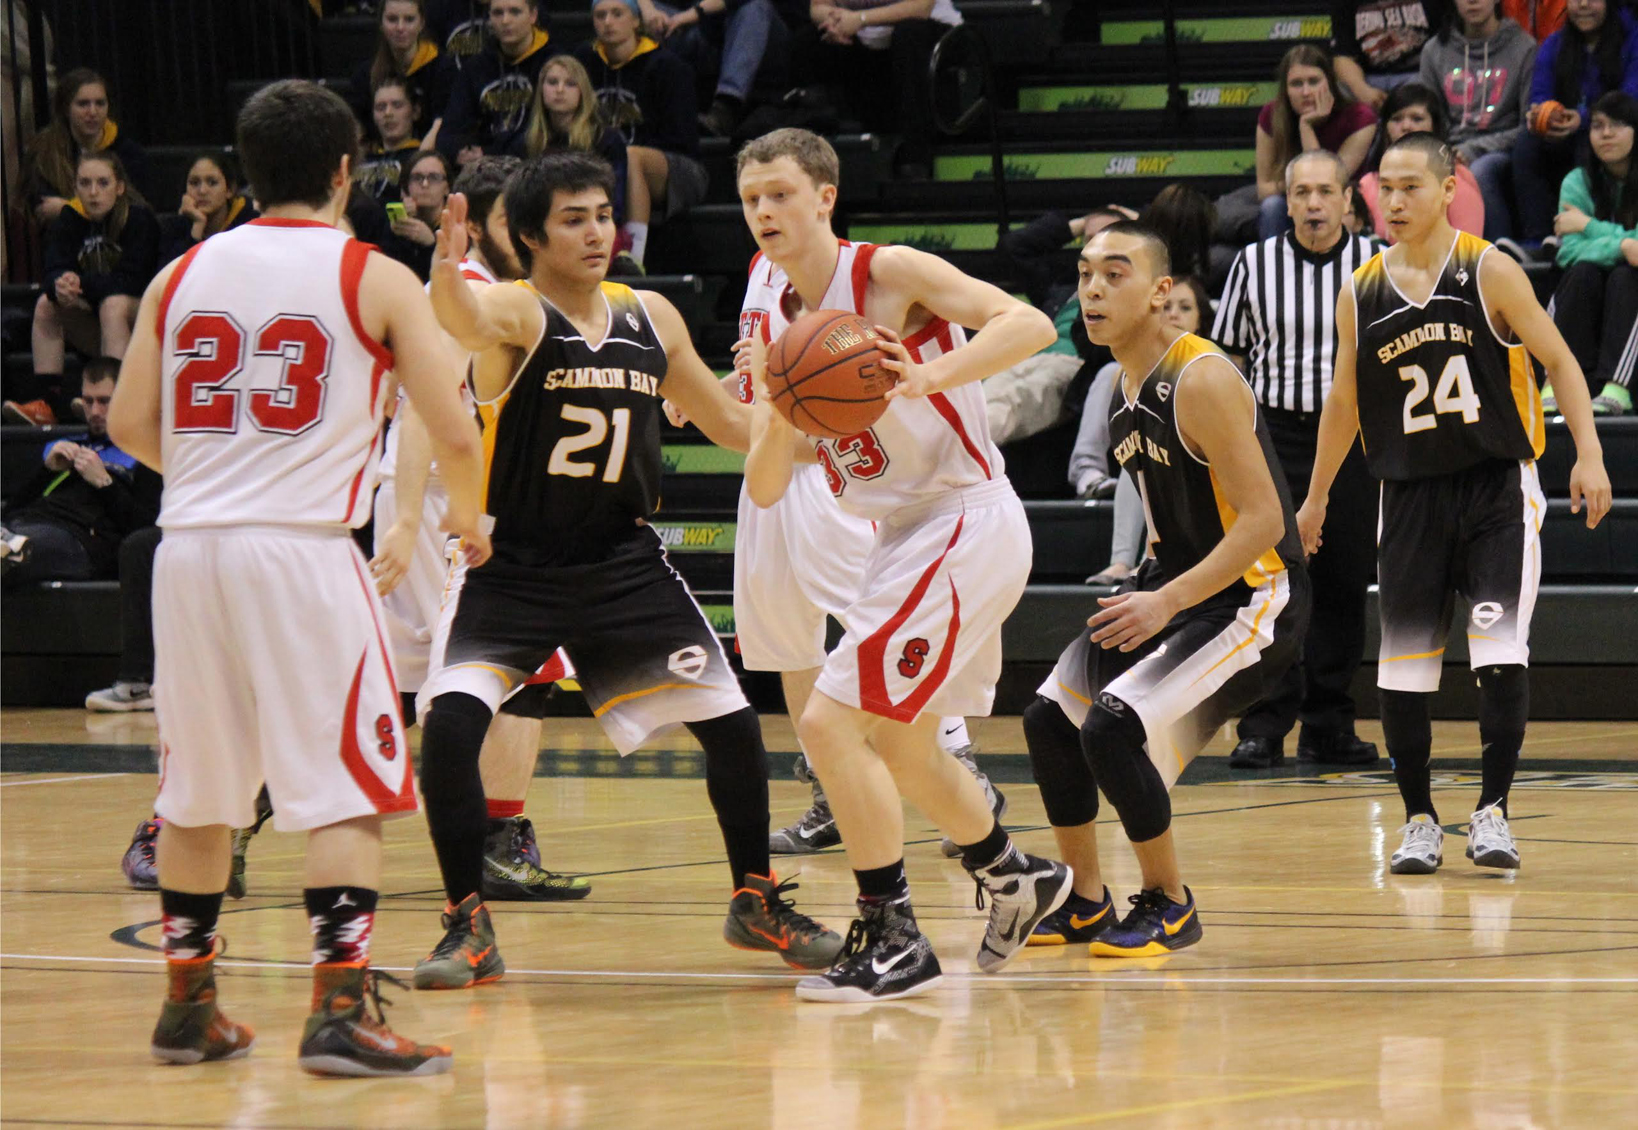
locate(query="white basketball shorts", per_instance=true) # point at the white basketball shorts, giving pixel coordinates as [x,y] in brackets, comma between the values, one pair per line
[412,607]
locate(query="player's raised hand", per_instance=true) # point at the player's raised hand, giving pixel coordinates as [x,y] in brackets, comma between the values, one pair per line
[914,380]
[1310,520]
[452,241]
[1128,618]
[1589,480]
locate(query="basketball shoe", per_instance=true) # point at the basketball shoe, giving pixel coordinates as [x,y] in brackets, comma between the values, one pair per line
[1423,848]
[241,844]
[1078,921]
[138,864]
[1023,889]
[1489,842]
[997,799]
[886,957]
[467,955]
[191,1028]
[512,870]
[816,830]
[761,918]
[123,697]
[342,1038]
[1155,926]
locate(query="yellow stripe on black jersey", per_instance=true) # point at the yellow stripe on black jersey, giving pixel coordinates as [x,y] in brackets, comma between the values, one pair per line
[1438,390]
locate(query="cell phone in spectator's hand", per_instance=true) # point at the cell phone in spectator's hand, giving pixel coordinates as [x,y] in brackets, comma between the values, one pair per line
[396,213]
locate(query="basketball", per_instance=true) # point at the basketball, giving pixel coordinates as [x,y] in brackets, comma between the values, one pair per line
[825,374]
[1542,119]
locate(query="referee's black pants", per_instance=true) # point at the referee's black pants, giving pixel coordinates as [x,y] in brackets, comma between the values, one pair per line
[1316,687]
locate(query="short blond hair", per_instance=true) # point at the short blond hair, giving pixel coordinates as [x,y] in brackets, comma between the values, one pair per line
[813,154]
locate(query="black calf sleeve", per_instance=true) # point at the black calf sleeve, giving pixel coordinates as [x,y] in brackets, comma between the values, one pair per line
[736,779]
[1408,729]
[1114,741]
[1065,779]
[1504,707]
[451,787]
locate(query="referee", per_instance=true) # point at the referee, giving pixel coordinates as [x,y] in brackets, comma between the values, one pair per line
[1278,312]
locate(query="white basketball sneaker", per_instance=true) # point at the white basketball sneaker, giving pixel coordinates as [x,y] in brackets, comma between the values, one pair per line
[1489,843]
[1422,850]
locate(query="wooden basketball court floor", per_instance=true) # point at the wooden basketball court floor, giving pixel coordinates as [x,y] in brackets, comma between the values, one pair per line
[1326,992]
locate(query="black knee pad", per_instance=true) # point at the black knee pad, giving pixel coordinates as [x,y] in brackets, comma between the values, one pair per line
[1406,723]
[529,702]
[451,739]
[1068,789]
[1115,743]
[1504,704]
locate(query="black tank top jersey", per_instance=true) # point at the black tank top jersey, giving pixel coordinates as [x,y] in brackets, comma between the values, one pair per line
[572,448]
[1439,392]
[1187,512]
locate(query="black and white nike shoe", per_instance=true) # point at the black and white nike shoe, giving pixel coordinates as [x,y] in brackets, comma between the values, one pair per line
[1023,889]
[886,957]
[816,830]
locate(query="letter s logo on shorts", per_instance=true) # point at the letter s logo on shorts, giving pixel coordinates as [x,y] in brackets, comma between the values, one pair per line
[690,662]
[1486,613]
[913,656]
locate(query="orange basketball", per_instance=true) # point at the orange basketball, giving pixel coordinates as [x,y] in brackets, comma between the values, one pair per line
[1542,119]
[825,374]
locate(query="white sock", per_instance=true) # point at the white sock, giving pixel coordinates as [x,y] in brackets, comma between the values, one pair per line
[952,734]
[639,239]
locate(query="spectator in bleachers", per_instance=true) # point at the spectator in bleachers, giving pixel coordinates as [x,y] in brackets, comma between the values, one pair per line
[647,93]
[1187,222]
[733,42]
[874,54]
[133,685]
[566,115]
[212,203]
[81,123]
[1595,52]
[381,166]
[1376,43]
[1414,108]
[1311,112]
[86,497]
[1481,64]
[1540,18]
[1596,305]
[405,49]
[100,252]
[490,102]
[462,26]
[424,189]
[1279,313]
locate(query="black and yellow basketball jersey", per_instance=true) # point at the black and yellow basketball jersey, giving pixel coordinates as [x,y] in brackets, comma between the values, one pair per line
[572,447]
[1182,500]
[1438,390]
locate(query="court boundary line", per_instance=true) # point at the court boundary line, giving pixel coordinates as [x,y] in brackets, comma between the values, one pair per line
[61,780]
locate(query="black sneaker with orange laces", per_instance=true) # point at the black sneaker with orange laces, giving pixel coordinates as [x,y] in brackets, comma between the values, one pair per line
[191,1028]
[343,1038]
[467,955]
[761,918]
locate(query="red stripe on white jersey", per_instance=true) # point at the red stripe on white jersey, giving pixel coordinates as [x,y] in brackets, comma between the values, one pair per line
[942,403]
[873,694]
[170,290]
[353,259]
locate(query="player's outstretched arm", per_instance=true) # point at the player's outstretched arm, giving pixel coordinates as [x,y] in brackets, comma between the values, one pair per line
[133,415]
[393,306]
[1216,417]
[691,385]
[495,316]
[1508,291]
[1008,330]
[1339,424]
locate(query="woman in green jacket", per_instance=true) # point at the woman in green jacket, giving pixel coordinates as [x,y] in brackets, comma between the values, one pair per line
[1596,305]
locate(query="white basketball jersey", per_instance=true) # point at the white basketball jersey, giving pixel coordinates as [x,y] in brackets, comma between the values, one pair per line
[271,392]
[472,271]
[921,447]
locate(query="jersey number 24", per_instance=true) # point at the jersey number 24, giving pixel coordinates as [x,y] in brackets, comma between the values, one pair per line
[1454,393]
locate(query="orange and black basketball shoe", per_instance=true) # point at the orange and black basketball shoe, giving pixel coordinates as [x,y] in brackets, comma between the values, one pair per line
[761,918]
[467,955]
[191,1028]
[343,1038]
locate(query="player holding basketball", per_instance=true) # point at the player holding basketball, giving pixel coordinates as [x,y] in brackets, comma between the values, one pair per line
[804,557]
[1211,620]
[256,382]
[1433,371]
[948,561]
[413,573]
[573,446]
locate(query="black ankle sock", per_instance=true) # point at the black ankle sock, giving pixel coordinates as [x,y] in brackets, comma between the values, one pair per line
[1504,708]
[987,850]
[452,789]
[1078,899]
[882,884]
[189,923]
[342,919]
[1408,729]
[736,779]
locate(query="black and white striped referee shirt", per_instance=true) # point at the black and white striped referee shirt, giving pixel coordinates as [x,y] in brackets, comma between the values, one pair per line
[1279,311]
